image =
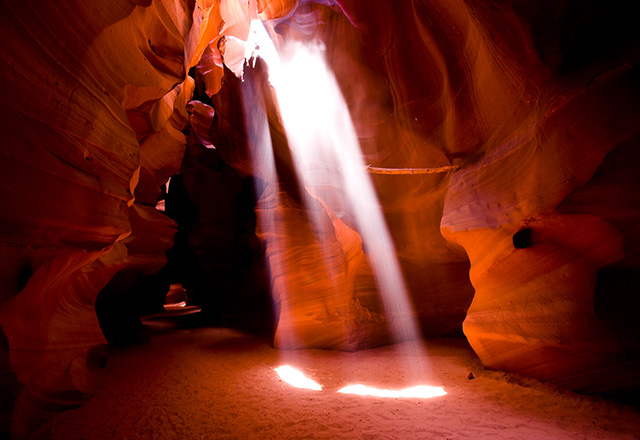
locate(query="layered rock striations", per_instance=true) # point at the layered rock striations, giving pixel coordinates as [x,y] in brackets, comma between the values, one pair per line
[522,221]
[93,107]
[518,121]
[531,216]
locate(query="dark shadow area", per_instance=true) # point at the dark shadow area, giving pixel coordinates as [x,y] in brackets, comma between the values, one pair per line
[124,299]
[522,238]
[9,388]
[616,303]
[570,35]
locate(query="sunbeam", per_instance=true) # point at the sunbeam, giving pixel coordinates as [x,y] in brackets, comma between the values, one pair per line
[420,391]
[328,160]
[296,378]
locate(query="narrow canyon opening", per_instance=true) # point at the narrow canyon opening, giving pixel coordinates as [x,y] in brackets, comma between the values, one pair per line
[319,219]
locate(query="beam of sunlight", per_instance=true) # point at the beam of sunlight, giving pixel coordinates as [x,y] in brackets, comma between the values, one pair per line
[296,378]
[269,217]
[420,391]
[329,161]
[259,44]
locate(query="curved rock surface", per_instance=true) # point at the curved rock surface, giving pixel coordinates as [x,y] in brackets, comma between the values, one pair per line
[93,106]
[526,227]
[538,248]
[542,252]
[526,120]
[436,271]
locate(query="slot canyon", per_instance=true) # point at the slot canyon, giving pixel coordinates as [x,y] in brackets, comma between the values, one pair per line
[402,194]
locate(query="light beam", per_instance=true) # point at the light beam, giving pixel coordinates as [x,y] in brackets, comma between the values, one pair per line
[420,391]
[296,378]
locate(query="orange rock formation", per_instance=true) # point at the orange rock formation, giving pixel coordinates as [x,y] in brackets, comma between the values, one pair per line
[527,231]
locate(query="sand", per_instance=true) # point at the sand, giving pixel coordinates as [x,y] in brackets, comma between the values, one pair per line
[212,383]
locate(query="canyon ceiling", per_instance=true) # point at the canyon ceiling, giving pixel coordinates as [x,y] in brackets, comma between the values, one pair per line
[518,226]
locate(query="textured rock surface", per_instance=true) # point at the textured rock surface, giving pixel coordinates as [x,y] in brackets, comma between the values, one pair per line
[317,272]
[93,106]
[532,218]
[436,271]
[532,109]
[528,116]
[313,272]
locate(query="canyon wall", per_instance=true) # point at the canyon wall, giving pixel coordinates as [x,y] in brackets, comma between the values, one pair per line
[526,227]
[93,109]
[530,115]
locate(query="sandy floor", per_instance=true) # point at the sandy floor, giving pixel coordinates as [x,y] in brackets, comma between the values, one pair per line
[206,383]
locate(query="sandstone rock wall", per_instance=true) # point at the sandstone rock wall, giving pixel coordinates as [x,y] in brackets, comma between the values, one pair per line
[529,112]
[93,106]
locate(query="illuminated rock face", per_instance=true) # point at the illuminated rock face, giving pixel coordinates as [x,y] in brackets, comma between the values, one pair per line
[436,270]
[93,109]
[533,215]
[551,260]
[540,130]
[537,244]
